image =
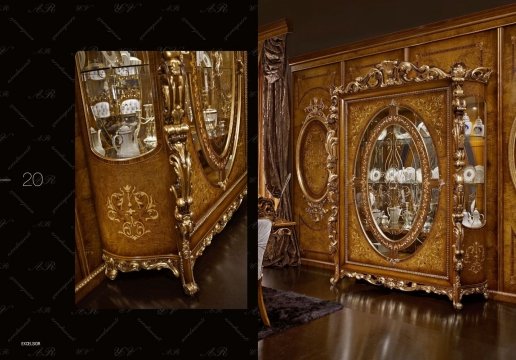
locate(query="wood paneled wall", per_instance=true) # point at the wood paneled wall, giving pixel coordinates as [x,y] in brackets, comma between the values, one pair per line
[482,39]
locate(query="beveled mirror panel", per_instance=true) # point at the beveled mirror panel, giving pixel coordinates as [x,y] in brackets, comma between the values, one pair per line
[214,102]
[397,173]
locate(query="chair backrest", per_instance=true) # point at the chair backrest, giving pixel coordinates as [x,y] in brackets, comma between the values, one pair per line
[266,215]
[100,109]
[266,208]
[264,231]
[129,106]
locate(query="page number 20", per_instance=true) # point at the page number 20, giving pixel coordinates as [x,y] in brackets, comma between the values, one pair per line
[35,179]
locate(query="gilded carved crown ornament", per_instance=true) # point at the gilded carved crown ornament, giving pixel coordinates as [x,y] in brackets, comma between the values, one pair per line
[315,108]
[394,72]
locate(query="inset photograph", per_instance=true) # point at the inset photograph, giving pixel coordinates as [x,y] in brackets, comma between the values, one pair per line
[161,179]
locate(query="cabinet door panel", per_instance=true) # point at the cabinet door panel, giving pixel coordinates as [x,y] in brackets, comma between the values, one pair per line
[310,102]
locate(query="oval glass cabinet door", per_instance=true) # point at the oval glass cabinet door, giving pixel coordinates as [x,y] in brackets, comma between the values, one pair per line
[119,103]
[398,182]
[214,103]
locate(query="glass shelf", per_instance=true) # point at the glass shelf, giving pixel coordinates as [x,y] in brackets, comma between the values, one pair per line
[393,166]
[119,102]
[475,162]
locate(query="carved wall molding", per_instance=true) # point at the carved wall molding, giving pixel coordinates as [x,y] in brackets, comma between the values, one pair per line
[300,80]
[310,138]
[468,48]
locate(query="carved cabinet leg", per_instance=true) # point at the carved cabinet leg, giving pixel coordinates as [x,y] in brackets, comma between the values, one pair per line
[111,270]
[189,285]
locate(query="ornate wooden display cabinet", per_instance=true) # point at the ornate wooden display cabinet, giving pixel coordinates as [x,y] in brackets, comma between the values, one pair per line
[484,39]
[162,158]
[410,178]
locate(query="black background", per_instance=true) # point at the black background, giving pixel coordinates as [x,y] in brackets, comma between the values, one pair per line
[37,46]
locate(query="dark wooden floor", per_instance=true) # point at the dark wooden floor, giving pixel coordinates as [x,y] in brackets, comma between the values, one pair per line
[221,273]
[378,323]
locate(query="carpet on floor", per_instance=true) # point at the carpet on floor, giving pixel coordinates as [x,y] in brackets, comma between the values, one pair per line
[287,309]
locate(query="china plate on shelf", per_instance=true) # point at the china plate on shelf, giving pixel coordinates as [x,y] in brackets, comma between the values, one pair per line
[419,176]
[375,175]
[390,174]
[469,174]
[410,174]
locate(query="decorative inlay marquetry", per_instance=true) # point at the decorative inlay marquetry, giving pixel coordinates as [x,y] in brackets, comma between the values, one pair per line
[474,257]
[132,209]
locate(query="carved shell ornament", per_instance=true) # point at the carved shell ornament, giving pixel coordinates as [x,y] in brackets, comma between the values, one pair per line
[132,209]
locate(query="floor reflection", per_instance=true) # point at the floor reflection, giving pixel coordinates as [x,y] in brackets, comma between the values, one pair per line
[379,323]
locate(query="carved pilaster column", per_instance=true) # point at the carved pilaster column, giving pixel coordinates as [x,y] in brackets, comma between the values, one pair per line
[459,106]
[332,142]
[176,131]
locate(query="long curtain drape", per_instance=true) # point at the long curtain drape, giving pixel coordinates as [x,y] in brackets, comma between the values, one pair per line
[283,250]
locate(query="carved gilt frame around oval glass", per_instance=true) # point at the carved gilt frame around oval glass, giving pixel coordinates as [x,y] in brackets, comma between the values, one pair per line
[396,169]
[214,105]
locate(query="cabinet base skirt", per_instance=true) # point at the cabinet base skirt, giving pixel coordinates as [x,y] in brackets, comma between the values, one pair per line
[115,263]
[407,285]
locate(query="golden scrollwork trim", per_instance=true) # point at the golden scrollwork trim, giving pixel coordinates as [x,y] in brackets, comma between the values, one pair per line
[394,119]
[475,289]
[131,208]
[393,283]
[332,194]
[219,225]
[90,277]
[395,72]
[113,264]
[316,210]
